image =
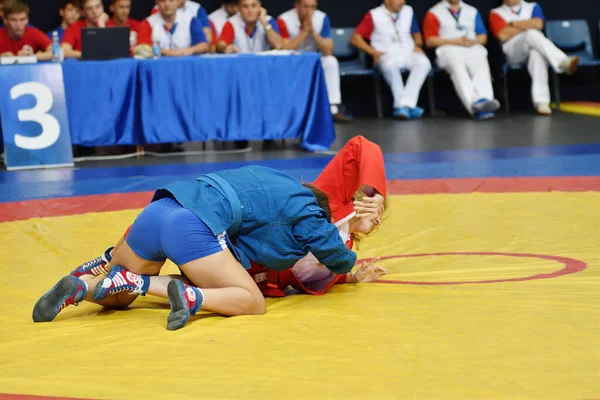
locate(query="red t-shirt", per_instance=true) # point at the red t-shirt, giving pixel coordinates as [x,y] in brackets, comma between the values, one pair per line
[214,32]
[431,26]
[366,26]
[497,23]
[283,30]
[145,33]
[228,33]
[73,34]
[33,38]
[132,23]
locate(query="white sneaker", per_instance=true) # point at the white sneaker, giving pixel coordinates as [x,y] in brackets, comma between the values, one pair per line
[543,109]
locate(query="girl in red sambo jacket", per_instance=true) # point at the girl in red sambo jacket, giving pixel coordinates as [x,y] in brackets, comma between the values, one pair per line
[355,182]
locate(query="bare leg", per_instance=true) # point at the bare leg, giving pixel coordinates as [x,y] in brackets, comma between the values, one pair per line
[227,287]
[71,290]
[158,284]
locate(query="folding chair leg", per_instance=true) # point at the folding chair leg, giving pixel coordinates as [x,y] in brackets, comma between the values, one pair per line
[556,88]
[431,96]
[506,101]
[378,100]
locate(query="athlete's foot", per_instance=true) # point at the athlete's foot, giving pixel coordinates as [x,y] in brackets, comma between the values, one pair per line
[69,290]
[95,267]
[185,301]
[120,280]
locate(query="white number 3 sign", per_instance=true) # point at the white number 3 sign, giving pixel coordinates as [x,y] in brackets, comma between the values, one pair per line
[39,113]
[35,120]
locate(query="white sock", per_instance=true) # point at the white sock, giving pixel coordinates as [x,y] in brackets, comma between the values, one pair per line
[334,109]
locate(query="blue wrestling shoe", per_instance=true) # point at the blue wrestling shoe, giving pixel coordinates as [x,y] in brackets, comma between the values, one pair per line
[401,112]
[185,301]
[485,106]
[95,267]
[416,113]
[69,290]
[480,116]
[121,280]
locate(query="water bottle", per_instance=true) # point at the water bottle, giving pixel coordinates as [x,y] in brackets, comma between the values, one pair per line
[55,47]
[156,45]
[132,40]
[156,49]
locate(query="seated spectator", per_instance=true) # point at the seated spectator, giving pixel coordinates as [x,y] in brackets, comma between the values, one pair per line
[308,29]
[70,12]
[218,17]
[243,33]
[120,10]
[456,30]
[194,10]
[93,17]
[518,26]
[179,33]
[396,43]
[17,38]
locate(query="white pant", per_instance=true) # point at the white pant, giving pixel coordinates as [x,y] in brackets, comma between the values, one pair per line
[418,64]
[331,69]
[532,46]
[469,70]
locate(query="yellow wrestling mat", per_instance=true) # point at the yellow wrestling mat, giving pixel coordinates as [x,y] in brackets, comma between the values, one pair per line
[585,108]
[513,339]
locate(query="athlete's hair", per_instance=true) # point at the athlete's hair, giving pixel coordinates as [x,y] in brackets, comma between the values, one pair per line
[322,198]
[84,2]
[15,7]
[74,3]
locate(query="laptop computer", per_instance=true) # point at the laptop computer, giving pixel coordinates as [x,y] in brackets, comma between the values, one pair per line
[105,43]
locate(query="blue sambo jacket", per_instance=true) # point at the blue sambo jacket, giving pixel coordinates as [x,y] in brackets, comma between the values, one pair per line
[269,216]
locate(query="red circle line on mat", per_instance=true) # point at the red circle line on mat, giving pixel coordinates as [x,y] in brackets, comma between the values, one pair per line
[570,266]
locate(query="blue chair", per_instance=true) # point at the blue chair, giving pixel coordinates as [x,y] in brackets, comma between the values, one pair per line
[353,62]
[574,38]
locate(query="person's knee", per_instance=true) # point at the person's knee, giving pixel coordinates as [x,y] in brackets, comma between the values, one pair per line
[479,51]
[388,65]
[422,61]
[532,35]
[260,305]
[535,55]
[449,58]
[254,304]
[329,62]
